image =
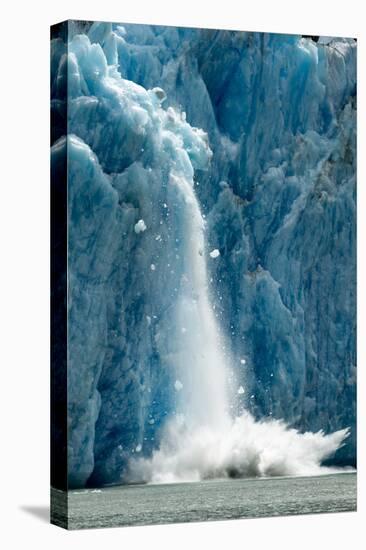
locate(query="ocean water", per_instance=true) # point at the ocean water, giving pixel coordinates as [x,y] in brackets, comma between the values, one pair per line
[209,500]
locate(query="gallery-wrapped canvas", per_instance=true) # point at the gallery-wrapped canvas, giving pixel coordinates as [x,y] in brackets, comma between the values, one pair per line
[203,234]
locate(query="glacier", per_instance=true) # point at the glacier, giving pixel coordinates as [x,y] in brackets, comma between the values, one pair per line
[246,141]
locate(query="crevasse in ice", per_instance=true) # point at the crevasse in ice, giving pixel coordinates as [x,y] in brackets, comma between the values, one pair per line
[262,126]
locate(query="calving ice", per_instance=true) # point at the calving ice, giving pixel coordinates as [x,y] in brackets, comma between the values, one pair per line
[204,439]
[210,260]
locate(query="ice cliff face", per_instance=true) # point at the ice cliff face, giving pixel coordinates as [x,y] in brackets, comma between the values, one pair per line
[263,126]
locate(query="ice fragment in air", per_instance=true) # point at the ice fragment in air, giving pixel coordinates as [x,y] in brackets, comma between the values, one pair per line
[160,94]
[241,390]
[140,226]
[178,385]
[215,253]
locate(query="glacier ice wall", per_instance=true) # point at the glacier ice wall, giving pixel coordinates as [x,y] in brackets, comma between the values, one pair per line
[273,165]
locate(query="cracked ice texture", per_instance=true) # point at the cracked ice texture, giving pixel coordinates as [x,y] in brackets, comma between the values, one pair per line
[275,162]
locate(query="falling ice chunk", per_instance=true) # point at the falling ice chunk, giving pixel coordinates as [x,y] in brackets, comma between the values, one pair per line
[178,385]
[138,448]
[215,253]
[242,361]
[148,319]
[140,226]
[153,267]
[160,94]
[241,390]
[151,421]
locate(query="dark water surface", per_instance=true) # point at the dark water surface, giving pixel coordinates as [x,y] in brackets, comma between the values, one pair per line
[208,500]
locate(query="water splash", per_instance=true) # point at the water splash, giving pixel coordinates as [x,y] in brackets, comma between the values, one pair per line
[203,440]
[246,449]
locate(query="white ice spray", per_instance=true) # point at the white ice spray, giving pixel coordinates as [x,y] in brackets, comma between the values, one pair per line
[200,361]
[203,440]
